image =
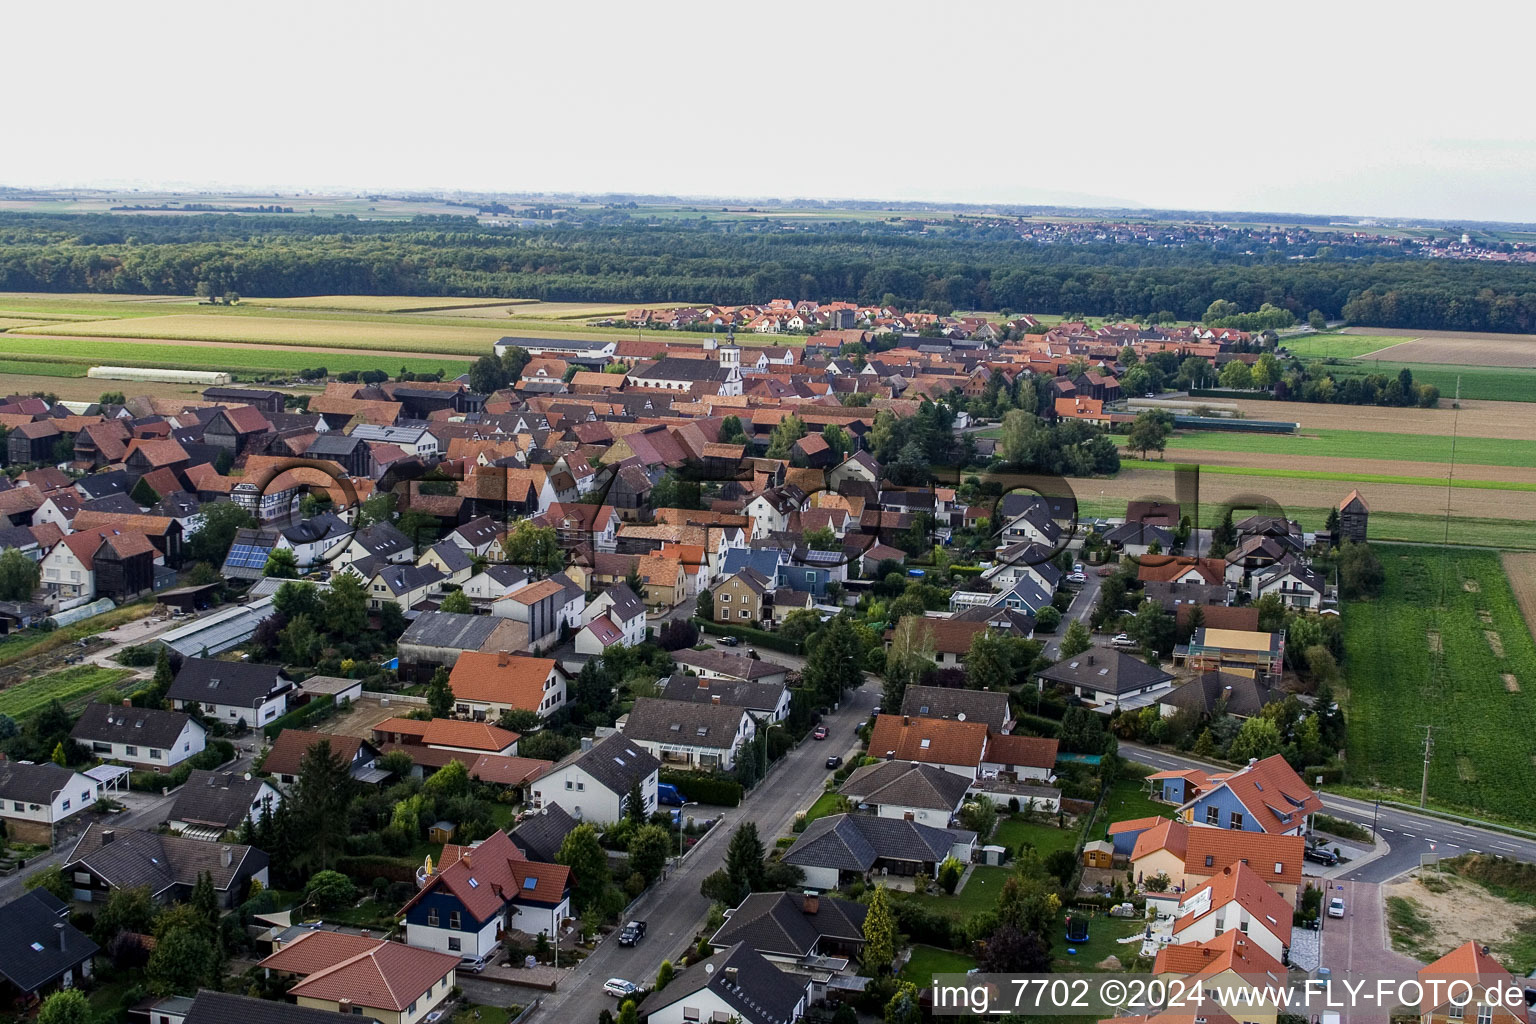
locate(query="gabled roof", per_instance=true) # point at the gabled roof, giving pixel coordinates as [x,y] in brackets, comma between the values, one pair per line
[929,740]
[239,683]
[1243,885]
[755,989]
[907,785]
[455,630]
[724,663]
[854,842]
[288,750]
[539,835]
[1105,670]
[1260,851]
[487,877]
[1469,962]
[38,943]
[1245,695]
[371,973]
[222,1008]
[659,720]
[1029,751]
[1160,834]
[223,799]
[451,732]
[1230,951]
[615,762]
[33,783]
[787,924]
[501,678]
[990,707]
[1271,792]
[113,723]
[738,693]
[126,858]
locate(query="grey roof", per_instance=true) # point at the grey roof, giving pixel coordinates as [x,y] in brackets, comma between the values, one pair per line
[34,783]
[684,722]
[568,344]
[757,990]
[616,762]
[1105,670]
[126,858]
[382,539]
[572,589]
[478,531]
[458,631]
[1290,567]
[120,503]
[219,630]
[223,1008]
[777,923]
[99,485]
[540,836]
[327,525]
[247,558]
[334,442]
[177,505]
[506,575]
[402,579]
[113,723]
[675,368]
[238,683]
[908,785]
[216,798]
[736,693]
[452,555]
[625,604]
[1032,509]
[947,702]
[1140,533]
[854,842]
[38,943]
[735,666]
[1245,696]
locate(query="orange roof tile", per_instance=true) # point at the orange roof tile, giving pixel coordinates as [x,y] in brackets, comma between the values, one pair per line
[1223,846]
[929,740]
[495,677]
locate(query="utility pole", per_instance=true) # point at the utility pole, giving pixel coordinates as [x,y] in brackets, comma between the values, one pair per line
[1429,746]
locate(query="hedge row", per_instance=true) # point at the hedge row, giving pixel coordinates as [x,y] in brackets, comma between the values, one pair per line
[364,869]
[216,752]
[759,637]
[317,710]
[706,789]
[1037,723]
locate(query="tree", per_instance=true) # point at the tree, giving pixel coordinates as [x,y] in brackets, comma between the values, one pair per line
[205,901]
[1062,868]
[904,1007]
[949,874]
[111,398]
[1082,731]
[822,539]
[649,849]
[345,604]
[537,547]
[514,360]
[979,814]
[731,431]
[744,860]
[1020,429]
[143,494]
[634,804]
[1236,376]
[1149,432]
[182,962]
[299,641]
[458,601]
[989,664]
[704,608]
[785,433]
[910,658]
[328,890]
[521,720]
[1076,640]
[449,781]
[126,910]
[281,564]
[837,439]
[19,576]
[319,806]
[1360,572]
[833,666]
[440,694]
[1258,738]
[799,624]
[378,509]
[664,975]
[67,1006]
[294,599]
[1047,619]
[879,933]
[1316,320]
[52,880]
[1266,371]
[584,855]
[1153,627]
[487,375]
[221,520]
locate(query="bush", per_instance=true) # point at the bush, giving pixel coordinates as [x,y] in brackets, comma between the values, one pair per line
[926,926]
[1047,619]
[317,710]
[1333,772]
[1036,724]
[137,657]
[756,637]
[706,789]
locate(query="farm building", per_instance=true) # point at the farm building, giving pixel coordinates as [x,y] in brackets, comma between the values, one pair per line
[210,378]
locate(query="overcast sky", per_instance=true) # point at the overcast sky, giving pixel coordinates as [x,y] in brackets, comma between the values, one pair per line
[1338,107]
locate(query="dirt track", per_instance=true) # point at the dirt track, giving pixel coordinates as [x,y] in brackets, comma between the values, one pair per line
[1514,420]
[1302,493]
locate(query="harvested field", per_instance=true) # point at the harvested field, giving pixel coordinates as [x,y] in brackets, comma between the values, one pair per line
[1322,462]
[8,322]
[1521,570]
[333,334]
[83,389]
[1361,444]
[379,303]
[1516,420]
[535,309]
[1466,351]
[245,360]
[1449,911]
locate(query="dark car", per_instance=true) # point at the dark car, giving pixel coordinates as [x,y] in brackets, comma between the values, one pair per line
[1319,855]
[729,641]
[632,933]
[834,761]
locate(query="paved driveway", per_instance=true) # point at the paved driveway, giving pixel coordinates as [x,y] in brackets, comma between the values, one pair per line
[1357,945]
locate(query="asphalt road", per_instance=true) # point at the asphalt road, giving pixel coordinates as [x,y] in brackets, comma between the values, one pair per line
[1407,835]
[673,910]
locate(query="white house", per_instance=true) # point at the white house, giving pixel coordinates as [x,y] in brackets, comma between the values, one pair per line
[145,738]
[593,784]
[1296,585]
[495,582]
[684,734]
[411,440]
[474,894]
[1236,899]
[923,793]
[36,797]
[621,607]
[234,692]
[736,985]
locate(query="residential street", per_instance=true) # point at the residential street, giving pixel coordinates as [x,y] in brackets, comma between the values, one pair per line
[1406,834]
[673,909]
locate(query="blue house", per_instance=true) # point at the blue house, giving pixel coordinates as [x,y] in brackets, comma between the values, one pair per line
[478,894]
[1263,796]
[806,570]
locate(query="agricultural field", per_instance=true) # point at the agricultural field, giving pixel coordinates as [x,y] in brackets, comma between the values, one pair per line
[1337,346]
[363,207]
[1514,420]
[1347,471]
[1471,659]
[1472,348]
[384,303]
[246,362]
[1360,444]
[533,309]
[1495,384]
[329,334]
[72,687]
[1521,570]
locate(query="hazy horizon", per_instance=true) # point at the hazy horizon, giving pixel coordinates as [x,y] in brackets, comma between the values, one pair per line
[1332,111]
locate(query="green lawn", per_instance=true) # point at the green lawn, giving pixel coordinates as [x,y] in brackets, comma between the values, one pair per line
[42,369]
[930,960]
[1324,474]
[1339,346]
[1103,931]
[1128,799]
[1044,836]
[825,804]
[371,913]
[1363,444]
[74,687]
[980,893]
[1485,728]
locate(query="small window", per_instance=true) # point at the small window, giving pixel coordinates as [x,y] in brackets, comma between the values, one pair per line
[1235,820]
[66,805]
[1210,861]
[455,944]
[154,754]
[725,598]
[455,920]
[690,1013]
[432,917]
[746,614]
[131,751]
[1456,1010]
[1279,868]
[569,784]
[581,787]
[1485,1015]
[1212,816]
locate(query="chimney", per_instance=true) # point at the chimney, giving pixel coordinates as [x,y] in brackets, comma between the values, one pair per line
[905,721]
[344,1005]
[501,659]
[127,703]
[467,862]
[714,698]
[1252,761]
[1090,659]
[226,855]
[107,835]
[810,903]
[63,940]
[730,976]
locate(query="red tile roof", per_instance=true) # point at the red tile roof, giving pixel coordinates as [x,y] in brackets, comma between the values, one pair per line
[1032,751]
[501,678]
[371,973]
[1274,794]
[1167,834]
[1242,884]
[1229,846]
[928,740]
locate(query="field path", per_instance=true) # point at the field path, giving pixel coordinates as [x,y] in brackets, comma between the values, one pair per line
[1521,570]
[1513,420]
[260,346]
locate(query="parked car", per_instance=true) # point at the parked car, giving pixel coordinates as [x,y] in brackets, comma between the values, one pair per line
[619,988]
[1076,577]
[729,641]
[834,761]
[1123,640]
[473,964]
[632,933]
[1319,855]
[1336,907]
[820,733]
[1077,567]
[667,794]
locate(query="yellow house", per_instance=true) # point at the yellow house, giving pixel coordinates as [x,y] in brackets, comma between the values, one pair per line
[740,597]
[389,981]
[664,582]
[1160,851]
[1223,964]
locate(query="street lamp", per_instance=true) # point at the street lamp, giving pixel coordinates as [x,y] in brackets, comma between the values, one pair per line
[685,804]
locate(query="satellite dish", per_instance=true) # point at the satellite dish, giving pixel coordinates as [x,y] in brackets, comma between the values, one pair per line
[709,968]
[960,717]
[247,776]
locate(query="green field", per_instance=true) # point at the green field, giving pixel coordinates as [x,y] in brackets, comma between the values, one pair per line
[930,960]
[243,362]
[41,369]
[1485,732]
[1128,800]
[74,687]
[1363,444]
[1014,832]
[1489,383]
[1338,346]
[1349,478]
